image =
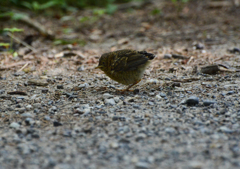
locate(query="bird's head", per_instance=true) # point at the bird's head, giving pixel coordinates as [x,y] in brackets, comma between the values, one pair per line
[103,62]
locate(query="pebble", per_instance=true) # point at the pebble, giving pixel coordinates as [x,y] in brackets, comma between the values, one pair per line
[162,95]
[225,129]
[27,115]
[15,125]
[60,87]
[57,124]
[208,102]
[151,94]
[141,165]
[199,46]
[115,118]
[158,96]
[29,107]
[116,99]
[152,81]
[47,118]
[114,145]
[45,90]
[170,130]
[107,96]
[136,106]
[230,92]
[29,121]
[84,85]
[167,56]
[151,103]
[192,101]
[81,68]
[196,165]
[110,101]
[140,136]
[37,105]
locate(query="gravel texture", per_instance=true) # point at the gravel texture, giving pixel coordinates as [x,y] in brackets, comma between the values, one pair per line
[192,126]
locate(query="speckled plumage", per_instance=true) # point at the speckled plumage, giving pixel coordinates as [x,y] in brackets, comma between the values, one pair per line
[125,66]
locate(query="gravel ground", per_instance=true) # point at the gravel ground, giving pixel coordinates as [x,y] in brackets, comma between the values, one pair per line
[71,122]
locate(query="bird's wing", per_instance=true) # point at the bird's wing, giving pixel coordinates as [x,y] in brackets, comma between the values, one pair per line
[129,61]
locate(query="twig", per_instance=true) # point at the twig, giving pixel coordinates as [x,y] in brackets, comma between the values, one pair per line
[20,41]
[13,65]
[23,67]
[37,26]
[191,58]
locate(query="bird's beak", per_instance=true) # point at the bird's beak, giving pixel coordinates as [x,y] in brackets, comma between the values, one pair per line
[98,67]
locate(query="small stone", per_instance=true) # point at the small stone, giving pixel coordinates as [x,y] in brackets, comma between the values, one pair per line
[142,165]
[15,125]
[47,118]
[170,130]
[225,129]
[114,145]
[84,85]
[83,110]
[116,99]
[158,96]
[110,101]
[208,102]
[152,81]
[36,111]
[37,105]
[26,115]
[115,118]
[50,102]
[196,165]
[29,121]
[107,96]
[136,91]
[173,106]
[234,50]
[199,46]
[54,108]
[230,92]
[140,136]
[162,94]
[2,91]
[136,106]
[21,110]
[167,56]
[151,103]
[179,111]
[192,101]
[130,100]
[80,68]
[45,90]
[56,124]
[151,94]
[29,107]
[122,118]
[60,87]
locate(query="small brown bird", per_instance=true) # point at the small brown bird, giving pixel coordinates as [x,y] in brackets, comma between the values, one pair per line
[125,66]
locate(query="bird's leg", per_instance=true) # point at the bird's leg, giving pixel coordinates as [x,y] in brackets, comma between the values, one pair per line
[127,89]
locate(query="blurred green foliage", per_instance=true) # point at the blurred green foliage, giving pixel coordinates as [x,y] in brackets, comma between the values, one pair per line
[37,5]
